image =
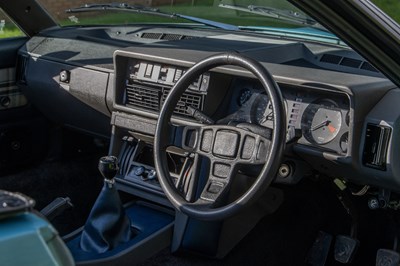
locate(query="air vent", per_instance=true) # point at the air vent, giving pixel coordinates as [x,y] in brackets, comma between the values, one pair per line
[187,99]
[369,67]
[172,37]
[151,35]
[165,36]
[22,63]
[142,97]
[331,59]
[348,62]
[149,98]
[376,146]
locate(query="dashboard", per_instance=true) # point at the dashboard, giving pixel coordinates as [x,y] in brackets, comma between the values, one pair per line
[336,102]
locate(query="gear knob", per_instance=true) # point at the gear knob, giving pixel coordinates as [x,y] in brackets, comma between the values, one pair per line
[108,167]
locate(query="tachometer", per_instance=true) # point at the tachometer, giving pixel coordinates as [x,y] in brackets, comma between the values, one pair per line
[261,111]
[244,96]
[321,121]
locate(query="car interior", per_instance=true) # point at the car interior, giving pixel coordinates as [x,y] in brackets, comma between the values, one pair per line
[152,144]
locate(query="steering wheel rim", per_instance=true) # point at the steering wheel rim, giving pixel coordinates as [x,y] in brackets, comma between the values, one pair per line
[273,158]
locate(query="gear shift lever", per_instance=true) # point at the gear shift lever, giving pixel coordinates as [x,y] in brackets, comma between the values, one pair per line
[108,167]
[107,224]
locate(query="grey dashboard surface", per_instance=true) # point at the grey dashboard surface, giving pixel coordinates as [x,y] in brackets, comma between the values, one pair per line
[291,62]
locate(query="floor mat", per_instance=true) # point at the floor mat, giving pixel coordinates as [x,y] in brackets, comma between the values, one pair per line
[76,178]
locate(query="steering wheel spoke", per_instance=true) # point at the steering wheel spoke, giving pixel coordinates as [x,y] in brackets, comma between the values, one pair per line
[218,183]
[183,137]
[254,149]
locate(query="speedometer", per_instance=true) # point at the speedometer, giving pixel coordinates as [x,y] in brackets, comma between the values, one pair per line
[321,121]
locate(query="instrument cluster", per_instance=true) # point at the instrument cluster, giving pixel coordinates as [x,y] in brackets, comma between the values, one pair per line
[322,116]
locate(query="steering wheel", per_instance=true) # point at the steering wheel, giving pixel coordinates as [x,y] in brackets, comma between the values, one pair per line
[227,147]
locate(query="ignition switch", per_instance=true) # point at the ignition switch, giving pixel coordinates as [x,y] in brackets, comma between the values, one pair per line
[285,170]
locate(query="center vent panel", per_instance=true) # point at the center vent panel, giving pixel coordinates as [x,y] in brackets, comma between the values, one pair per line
[152,98]
[143,97]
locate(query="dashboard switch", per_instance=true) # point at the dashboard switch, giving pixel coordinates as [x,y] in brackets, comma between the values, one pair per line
[149,70]
[178,75]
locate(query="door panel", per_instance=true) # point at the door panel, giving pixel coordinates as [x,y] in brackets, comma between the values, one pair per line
[8,48]
[10,95]
[23,130]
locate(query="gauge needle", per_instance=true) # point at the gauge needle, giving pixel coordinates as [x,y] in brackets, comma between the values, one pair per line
[322,124]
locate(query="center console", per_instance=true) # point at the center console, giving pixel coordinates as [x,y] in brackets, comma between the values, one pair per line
[140,90]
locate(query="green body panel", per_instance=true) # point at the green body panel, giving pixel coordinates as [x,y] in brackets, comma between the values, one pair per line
[26,239]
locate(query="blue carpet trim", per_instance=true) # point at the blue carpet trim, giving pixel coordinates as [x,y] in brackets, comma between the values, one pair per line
[144,219]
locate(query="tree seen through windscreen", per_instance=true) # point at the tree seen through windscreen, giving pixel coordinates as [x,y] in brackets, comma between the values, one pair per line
[7,27]
[390,7]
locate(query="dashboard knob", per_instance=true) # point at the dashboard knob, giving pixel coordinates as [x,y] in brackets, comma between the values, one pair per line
[65,76]
[152,174]
[5,101]
[139,171]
